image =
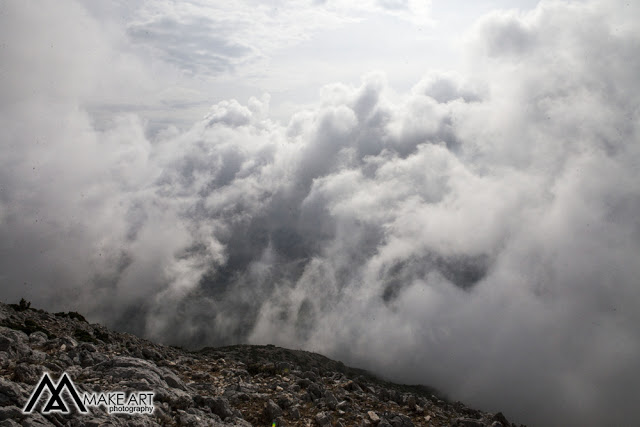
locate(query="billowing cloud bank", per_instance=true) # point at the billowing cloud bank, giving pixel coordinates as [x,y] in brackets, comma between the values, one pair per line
[480,234]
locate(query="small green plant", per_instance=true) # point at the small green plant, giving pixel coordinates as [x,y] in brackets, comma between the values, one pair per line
[21,306]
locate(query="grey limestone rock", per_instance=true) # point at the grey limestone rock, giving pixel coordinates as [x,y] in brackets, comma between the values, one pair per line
[272,410]
[27,373]
[38,338]
[11,393]
[238,385]
[323,419]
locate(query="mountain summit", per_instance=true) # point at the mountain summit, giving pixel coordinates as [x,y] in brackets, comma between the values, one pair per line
[240,385]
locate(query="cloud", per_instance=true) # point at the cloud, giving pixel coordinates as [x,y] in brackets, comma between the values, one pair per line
[506,34]
[478,234]
[192,42]
[209,39]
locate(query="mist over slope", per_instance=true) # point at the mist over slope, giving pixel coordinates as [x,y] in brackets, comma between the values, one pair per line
[477,233]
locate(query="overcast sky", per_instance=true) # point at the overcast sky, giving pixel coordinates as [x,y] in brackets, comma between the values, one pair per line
[442,192]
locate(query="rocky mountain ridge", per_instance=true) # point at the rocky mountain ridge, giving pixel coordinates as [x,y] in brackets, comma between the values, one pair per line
[240,385]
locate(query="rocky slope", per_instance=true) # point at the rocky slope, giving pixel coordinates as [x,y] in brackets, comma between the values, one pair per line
[238,385]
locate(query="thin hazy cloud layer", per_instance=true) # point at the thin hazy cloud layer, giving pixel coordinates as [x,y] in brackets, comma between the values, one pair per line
[209,38]
[479,234]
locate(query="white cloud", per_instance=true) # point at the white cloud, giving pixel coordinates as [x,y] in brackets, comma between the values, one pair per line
[477,233]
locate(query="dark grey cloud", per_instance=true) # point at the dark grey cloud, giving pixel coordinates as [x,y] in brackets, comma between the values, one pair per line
[478,237]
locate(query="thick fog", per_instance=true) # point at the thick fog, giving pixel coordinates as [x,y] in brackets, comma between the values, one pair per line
[478,233]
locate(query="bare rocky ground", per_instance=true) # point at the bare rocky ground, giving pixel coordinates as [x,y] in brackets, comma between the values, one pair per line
[239,385]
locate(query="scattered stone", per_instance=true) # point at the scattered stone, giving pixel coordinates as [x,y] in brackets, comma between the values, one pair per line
[323,419]
[373,417]
[239,385]
[400,420]
[38,338]
[315,391]
[11,393]
[172,380]
[10,413]
[295,413]
[499,417]
[219,406]
[351,386]
[330,400]
[27,373]
[468,422]
[272,411]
